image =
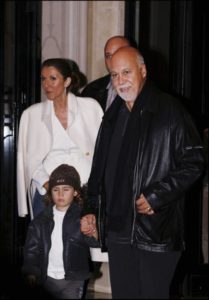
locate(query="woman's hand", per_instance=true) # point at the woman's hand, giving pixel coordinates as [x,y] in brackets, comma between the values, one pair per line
[46,185]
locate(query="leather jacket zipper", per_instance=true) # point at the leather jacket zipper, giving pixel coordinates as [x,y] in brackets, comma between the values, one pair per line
[136,186]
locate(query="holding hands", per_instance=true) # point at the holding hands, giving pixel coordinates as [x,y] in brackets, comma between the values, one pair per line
[88,225]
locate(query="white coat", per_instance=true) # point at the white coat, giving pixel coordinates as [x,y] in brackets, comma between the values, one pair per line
[35,140]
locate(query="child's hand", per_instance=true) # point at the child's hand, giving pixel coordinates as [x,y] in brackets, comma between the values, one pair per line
[88,225]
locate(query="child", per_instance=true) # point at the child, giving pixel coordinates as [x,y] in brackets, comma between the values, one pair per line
[56,253]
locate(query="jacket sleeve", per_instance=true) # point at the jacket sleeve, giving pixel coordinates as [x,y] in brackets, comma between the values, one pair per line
[91,241]
[40,176]
[32,250]
[90,204]
[188,163]
[87,91]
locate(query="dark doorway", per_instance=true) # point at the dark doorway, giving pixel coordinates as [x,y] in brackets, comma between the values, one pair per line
[20,58]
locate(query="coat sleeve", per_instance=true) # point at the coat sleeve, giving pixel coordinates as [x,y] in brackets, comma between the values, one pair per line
[188,156]
[90,206]
[21,163]
[31,263]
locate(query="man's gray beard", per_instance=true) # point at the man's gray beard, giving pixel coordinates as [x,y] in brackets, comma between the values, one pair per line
[127,98]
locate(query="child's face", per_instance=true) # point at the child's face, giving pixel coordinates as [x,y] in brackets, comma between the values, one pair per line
[62,196]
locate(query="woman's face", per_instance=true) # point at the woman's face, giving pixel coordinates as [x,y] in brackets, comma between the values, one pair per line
[53,83]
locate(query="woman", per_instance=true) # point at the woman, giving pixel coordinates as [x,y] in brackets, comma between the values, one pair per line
[61,129]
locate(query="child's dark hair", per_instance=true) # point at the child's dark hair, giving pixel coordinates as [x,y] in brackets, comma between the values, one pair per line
[82,195]
[66,175]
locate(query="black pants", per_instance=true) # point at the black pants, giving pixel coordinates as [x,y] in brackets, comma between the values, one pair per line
[64,289]
[137,274]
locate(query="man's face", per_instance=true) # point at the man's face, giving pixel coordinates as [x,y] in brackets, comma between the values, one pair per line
[128,75]
[111,47]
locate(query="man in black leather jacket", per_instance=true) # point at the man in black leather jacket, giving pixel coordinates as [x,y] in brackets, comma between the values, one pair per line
[148,154]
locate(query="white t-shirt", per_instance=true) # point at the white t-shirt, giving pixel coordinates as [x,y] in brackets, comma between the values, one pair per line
[55,265]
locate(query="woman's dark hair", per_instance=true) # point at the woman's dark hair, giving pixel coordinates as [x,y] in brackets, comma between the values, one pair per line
[61,64]
[68,68]
[79,80]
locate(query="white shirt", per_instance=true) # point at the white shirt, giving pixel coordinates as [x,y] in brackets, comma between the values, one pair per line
[55,266]
[110,95]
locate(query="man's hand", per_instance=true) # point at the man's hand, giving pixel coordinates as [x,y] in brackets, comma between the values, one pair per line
[143,207]
[88,225]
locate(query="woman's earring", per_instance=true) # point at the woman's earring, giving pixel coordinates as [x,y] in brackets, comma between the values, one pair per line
[67,82]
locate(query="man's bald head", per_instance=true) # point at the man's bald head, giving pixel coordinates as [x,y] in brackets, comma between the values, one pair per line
[128,73]
[128,53]
[112,45]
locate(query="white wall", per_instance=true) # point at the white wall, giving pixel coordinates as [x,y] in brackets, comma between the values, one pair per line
[64,30]
[78,30]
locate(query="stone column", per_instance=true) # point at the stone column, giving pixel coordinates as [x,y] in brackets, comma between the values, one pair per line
[105,19]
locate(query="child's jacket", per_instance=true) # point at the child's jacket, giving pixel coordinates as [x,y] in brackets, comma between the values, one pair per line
[76,253]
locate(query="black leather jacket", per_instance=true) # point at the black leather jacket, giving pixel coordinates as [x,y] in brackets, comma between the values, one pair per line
[75,245]
[169,161]
[97,89]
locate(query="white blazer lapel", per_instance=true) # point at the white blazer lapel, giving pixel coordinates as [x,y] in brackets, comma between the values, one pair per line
[78,128]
